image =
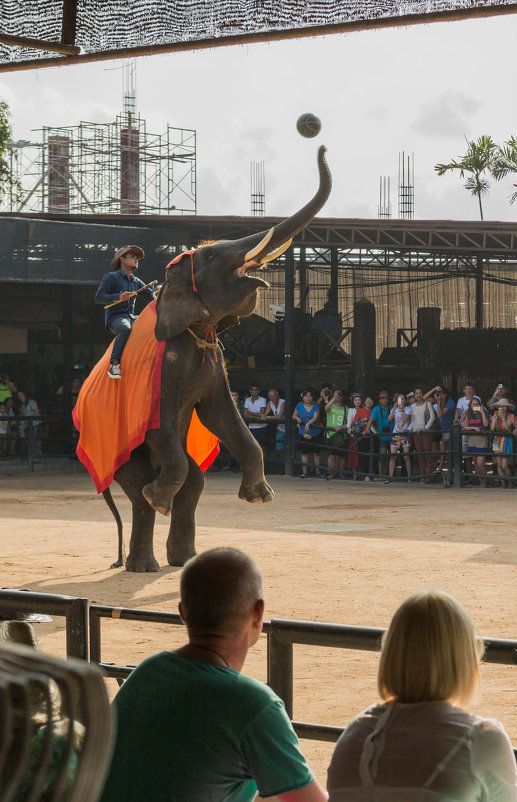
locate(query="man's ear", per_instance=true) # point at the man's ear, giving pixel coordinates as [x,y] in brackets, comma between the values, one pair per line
[258,612]
[180,611]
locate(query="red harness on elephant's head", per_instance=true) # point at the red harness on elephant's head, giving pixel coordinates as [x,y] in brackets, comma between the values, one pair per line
[210,330]
[179,258]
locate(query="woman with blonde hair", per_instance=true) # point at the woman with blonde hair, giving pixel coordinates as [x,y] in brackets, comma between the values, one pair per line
[419,744]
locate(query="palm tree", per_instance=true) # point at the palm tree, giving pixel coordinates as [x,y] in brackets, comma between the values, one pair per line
[479,159]
[506,162]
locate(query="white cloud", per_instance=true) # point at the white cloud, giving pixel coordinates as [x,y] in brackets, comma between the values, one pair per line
[447,115]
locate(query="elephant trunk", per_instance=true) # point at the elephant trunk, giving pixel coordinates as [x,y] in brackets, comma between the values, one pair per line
[269,244]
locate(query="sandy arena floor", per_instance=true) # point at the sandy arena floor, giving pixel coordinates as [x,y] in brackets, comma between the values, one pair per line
[337,551]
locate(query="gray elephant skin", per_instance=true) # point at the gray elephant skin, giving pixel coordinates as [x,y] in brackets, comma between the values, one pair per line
[160,476]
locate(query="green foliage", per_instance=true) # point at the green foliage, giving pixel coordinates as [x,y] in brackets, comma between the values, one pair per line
[8,182]
[506,162]
[479,159]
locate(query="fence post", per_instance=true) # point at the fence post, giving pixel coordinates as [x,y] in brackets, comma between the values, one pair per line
[30,446]
[289,358]
[77,629]
[370,465]
[457,455]
[95,637]
[280,666]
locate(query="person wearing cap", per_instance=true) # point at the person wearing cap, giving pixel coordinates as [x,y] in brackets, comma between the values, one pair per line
[503,420]
[119,285]
[381,423]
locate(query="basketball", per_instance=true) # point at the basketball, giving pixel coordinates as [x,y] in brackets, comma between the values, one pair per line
[308,125]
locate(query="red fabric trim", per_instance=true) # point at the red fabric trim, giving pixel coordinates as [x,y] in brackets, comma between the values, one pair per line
[179,257]
[211,457]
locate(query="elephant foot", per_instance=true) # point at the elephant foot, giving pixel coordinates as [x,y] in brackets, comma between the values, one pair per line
[178,555]
[157,499]
[256,492]
[142,565]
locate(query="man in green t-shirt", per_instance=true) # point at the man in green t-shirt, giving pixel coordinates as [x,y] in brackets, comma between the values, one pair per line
[191,727]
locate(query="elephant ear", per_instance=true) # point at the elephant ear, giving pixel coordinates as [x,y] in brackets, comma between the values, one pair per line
[227,322]
[178,305]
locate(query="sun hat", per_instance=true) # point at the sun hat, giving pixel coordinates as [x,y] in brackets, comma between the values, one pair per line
[503,402]
[124,251]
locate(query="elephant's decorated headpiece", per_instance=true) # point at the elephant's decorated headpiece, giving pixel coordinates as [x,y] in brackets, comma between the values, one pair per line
[178,258]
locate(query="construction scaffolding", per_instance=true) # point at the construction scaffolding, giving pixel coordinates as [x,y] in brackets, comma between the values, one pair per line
[113,168]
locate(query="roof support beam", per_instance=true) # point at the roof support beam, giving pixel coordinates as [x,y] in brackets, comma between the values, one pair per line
[450,15]
[69,26]
[37,44]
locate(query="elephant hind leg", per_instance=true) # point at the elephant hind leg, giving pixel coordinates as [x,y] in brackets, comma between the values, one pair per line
[182,533]
[132,476]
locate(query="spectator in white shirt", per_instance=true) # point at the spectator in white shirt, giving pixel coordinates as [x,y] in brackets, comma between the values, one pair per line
[419,743]
[460,416]
[275,414]
[254,409]
[422,419]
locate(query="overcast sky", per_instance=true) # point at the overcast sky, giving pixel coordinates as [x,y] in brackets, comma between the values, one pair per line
[421,89]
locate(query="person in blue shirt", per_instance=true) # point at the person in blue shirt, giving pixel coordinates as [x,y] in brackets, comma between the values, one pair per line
[119,286]
[380,422]
[307,415]
[445,408]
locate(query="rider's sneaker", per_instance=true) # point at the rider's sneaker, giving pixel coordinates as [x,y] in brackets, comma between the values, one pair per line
[114,372]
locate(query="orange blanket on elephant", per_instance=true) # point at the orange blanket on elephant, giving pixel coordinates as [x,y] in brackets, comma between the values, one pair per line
[113,416]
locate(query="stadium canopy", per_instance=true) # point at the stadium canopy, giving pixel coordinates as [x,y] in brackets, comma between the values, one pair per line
[44,33]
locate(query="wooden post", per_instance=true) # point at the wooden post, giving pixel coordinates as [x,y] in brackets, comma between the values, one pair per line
[428,328]
[479,293]
[364,346]
[333,294]
[289,357]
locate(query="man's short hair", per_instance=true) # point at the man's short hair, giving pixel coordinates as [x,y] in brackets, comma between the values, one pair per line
[430,652]
[218,590]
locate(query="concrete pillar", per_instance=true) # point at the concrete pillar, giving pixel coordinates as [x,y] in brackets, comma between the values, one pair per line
[59,174]
[364,346]
[428,326]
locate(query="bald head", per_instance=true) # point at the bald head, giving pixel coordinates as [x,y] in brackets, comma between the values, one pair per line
[219,589]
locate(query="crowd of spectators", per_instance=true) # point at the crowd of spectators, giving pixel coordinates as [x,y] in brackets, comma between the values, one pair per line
[397,435]
[18,435]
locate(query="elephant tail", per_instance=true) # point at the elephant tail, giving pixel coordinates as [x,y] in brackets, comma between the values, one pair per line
[108,498]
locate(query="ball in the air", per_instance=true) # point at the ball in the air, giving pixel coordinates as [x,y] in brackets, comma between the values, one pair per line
[308,125]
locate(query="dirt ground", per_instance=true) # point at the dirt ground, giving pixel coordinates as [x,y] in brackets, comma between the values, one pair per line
[344,552]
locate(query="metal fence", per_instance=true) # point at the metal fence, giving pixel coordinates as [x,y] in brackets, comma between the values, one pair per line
[282,635]
[37,438]
[456,468]
[74,609]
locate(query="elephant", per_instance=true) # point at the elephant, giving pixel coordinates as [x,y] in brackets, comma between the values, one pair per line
[208,289]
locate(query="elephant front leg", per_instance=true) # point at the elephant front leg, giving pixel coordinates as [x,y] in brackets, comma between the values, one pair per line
[172,469]
[182,533]
[227,424]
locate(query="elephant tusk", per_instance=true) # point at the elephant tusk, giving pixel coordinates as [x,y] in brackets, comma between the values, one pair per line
[275,254]
[260,247]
